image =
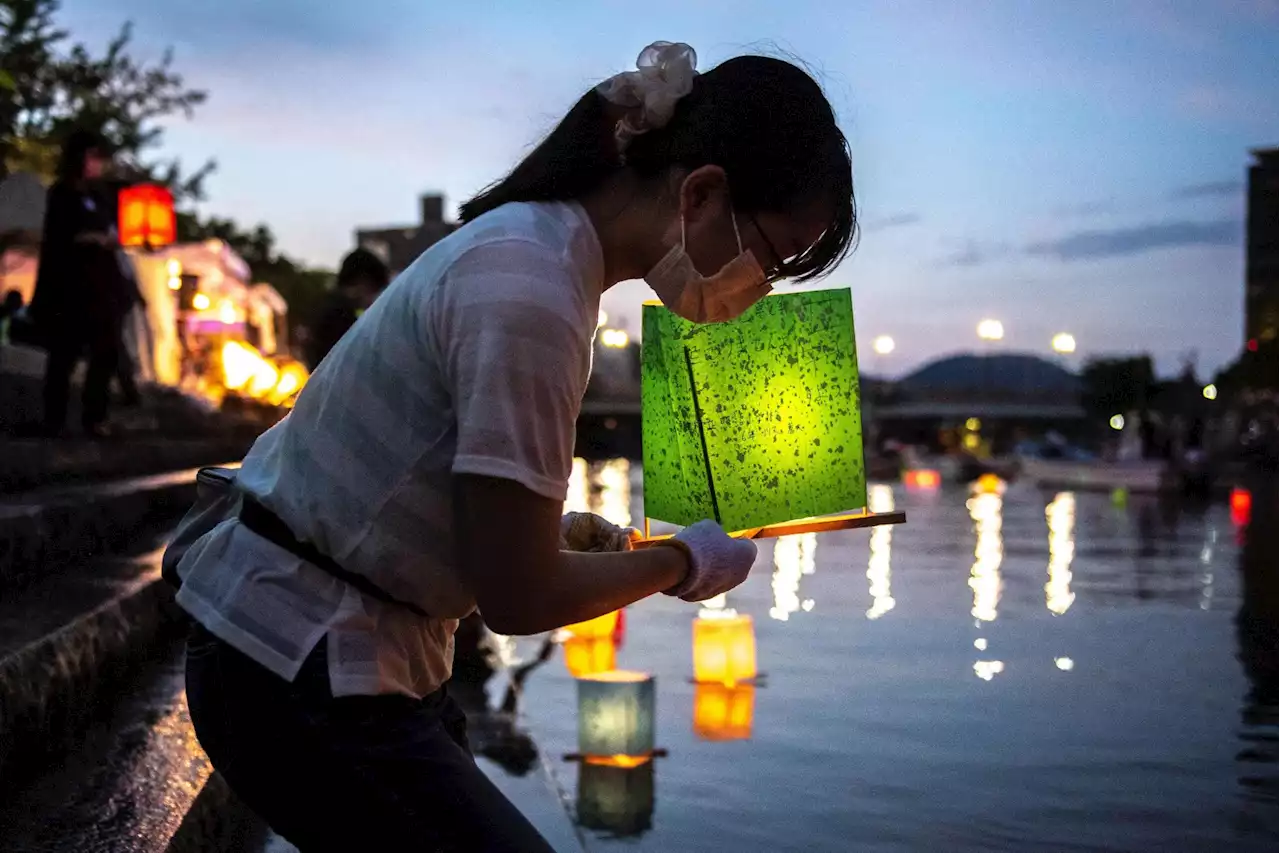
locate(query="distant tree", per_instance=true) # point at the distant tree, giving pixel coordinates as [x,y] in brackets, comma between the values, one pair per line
[1113,386]
[301,286]
[47,89]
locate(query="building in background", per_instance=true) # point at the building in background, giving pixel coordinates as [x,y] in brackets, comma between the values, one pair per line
[1260,311]
[400,246]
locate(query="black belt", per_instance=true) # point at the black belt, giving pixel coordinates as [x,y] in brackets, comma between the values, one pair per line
[268,525]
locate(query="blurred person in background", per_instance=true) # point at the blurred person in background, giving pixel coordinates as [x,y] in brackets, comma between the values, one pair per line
[361,278]
[81,295]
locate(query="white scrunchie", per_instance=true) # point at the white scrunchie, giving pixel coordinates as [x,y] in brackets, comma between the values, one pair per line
[664,74]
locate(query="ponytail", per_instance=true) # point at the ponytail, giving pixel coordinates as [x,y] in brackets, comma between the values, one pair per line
[573,160]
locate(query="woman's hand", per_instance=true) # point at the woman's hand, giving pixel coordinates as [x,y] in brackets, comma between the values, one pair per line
[717,561]
[508,546]
[586,531]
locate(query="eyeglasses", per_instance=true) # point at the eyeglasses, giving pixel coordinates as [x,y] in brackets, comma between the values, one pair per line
[775,269]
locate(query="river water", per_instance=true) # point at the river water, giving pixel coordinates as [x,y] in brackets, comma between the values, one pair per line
[1026,671]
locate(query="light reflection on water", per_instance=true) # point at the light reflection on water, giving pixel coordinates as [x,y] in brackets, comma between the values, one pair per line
[793,557]
[1032,671]
[879,572]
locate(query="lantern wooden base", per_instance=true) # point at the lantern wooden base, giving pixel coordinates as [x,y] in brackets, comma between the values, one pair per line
[819,524]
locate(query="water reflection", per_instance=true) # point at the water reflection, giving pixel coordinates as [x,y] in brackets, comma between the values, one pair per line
[1256,636]
[616,801]
[878,570]
[984,578]
[1061,517]
[988,669]
[601,487]
[723,711]
[793,557]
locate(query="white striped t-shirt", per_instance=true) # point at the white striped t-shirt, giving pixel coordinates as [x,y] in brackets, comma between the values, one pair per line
[473,361]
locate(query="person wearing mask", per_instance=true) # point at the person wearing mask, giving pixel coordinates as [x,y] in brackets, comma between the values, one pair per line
[80,298]
[423,470]
[361,278]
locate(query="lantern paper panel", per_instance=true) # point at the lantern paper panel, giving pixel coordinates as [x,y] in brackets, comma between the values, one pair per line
[756,421]
[615,714]
[723,711]
[616,800]
[589,656]
[146,216]
[601,626]
[724,649]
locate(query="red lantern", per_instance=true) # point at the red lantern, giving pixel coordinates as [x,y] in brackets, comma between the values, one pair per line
[146,216]
[1241,506]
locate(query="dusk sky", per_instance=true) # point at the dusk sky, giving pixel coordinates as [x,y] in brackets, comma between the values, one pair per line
[1059,166]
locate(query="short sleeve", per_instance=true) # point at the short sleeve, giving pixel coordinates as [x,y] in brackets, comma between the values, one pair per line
[516,359]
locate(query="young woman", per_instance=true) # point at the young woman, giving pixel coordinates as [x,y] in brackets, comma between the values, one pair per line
[422,472]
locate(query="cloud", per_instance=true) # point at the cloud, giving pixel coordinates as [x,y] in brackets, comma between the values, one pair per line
[974,253]
[1087,208]
[1086,245]
[897,220]
[1210,189]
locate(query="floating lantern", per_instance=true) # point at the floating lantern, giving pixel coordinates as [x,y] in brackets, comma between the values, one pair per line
[1241,506]
[615,716]
[922,479]
[588,656]
[989,484]
[146,216]
[723,712]
[615,799]
[755,423]
[724,648]
[601,626]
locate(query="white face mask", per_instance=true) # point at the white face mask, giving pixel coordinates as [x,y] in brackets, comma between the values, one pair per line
[708,299]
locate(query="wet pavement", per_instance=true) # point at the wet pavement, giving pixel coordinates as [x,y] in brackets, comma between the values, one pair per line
[127,788]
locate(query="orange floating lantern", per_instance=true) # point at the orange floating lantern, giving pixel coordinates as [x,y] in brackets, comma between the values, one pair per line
[1241,506]
[724,648]
[146,216]
[584,657]
[723,712]
[921,478]
[601,626]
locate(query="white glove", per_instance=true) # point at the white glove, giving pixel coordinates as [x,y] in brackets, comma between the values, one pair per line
[717,561]
[586,531]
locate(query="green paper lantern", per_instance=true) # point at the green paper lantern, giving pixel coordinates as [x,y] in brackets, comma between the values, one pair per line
[756,421]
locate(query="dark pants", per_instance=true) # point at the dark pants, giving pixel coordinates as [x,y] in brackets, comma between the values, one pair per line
[351,773]
[101,343]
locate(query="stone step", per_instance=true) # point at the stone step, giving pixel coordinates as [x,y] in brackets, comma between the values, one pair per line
[31,463]
[138,782]
[66,643]
[45,530]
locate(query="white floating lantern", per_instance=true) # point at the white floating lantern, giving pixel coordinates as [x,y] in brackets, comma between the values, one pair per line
[615,714]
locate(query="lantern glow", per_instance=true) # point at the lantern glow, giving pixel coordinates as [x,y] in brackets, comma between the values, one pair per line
[601,626]
[1241,506]
[753,422]
[922,478]
[146,216]
[588,656]
[723,712]
[615,715]
[724,648]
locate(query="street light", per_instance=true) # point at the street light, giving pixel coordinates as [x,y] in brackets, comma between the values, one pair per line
[1211,392]
[615,338]
[1064,343]
[883,345]
[991,330]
